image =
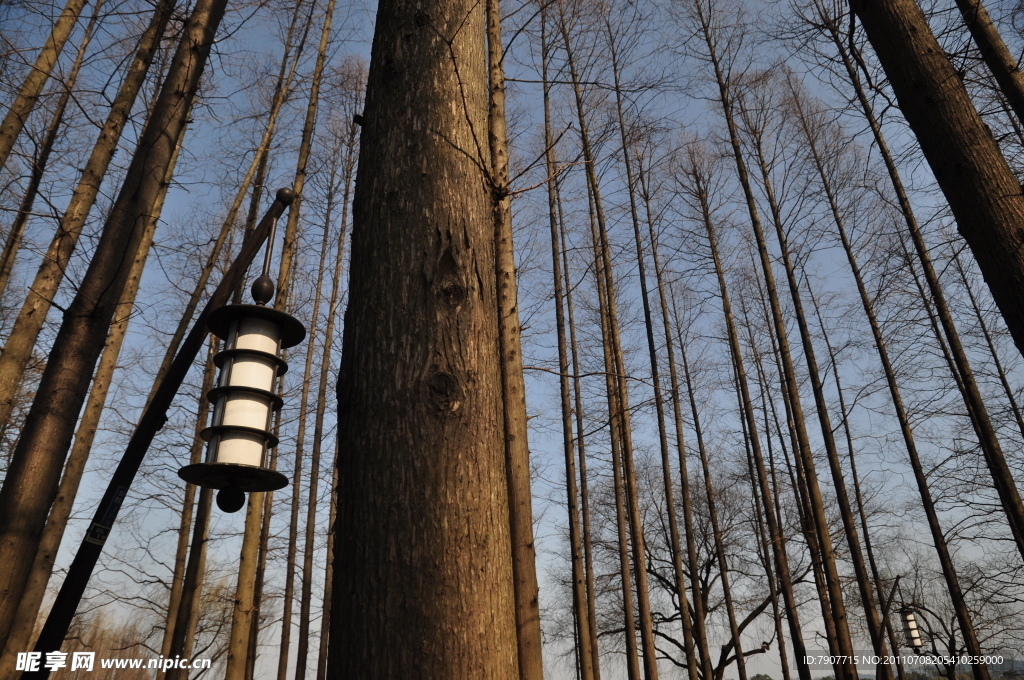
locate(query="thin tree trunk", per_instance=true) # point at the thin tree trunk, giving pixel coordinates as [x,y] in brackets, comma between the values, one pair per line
[838,610]
[778,546]
[348,171]
[675,544]
[305,145]
[178,585]
[991,345]
[517,452]
[858,497]
[268,497]
[577,390]
[584,641]
[762,537]
[995,53]
[422,544]
[321,406]
[22,338]
[325,618]
[187,615]
[34,474]
[723,565]
[874,625]
[243,610]
[699,605]
[42,157]
[614,409]
[798,482]
[948,570]
[33,84]
[264,543]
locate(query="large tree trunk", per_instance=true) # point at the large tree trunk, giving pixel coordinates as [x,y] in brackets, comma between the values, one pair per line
[21,635]
[982,191]
[32,479]
[32,87]
[22,338]
[423,567]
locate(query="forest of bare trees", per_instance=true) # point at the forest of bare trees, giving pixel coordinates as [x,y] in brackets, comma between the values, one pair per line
[673,339]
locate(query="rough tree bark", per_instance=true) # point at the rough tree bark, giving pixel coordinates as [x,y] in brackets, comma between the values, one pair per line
[423,566]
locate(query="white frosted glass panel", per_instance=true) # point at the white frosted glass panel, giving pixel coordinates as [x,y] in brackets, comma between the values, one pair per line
[241,448]
[252,371]
[245,409]
[257,334]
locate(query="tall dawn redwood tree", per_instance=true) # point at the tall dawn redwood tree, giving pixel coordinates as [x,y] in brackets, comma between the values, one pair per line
[985,197]
[423,573]
[32,479]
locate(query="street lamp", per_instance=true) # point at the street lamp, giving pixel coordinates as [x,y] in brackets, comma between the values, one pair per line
[244,402]
[153,418]
[911,631]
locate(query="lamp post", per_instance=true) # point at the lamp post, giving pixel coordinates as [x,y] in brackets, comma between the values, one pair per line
[153,418]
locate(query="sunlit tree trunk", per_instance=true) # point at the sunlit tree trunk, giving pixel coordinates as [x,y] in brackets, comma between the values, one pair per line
[577,391]
[423,565]
[517,452]
[611,388]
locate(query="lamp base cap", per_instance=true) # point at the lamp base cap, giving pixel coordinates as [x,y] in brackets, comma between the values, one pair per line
[247,478]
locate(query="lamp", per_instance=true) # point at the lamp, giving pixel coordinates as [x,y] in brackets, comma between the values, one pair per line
[243,400]
[911,631]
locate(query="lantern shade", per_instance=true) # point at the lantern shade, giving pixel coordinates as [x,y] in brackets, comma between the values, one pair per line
[243,400]
[911,631]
